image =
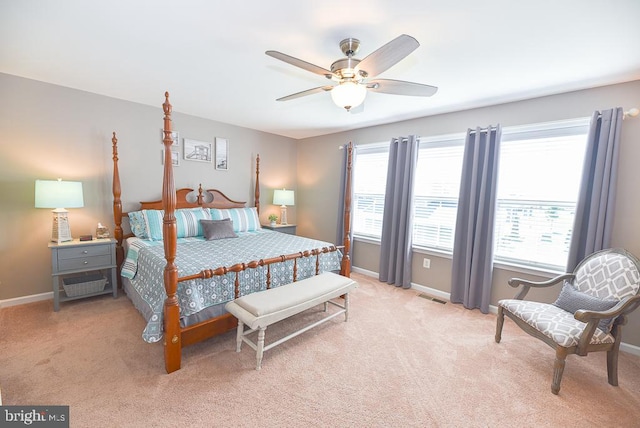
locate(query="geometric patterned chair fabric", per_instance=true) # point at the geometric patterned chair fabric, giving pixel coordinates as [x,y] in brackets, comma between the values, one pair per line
[589,314]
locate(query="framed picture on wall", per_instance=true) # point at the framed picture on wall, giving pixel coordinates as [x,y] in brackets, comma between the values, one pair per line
[195,150]
[175,157]
[222,154]
[175,137]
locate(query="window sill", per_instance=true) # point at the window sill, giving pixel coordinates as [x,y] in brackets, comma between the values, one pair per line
[511,267]
[367,239]
[529,270]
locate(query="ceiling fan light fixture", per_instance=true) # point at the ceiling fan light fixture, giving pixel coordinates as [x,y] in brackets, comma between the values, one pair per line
[348,95]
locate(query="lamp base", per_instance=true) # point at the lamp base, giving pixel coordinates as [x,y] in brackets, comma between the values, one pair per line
[283,214]
[60,231]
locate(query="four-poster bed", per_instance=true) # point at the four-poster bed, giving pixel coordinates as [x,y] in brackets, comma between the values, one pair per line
[207,268]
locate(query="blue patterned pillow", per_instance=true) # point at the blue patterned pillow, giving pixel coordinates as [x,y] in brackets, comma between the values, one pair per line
[187,222]
[572,300]
[244,219]
[138,225]
[153,222]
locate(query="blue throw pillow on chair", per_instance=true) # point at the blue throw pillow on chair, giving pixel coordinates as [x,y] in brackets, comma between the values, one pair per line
[572,300]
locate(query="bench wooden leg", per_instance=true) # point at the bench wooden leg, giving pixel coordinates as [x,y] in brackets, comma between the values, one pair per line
[346,307]
[260,350]
[239,334]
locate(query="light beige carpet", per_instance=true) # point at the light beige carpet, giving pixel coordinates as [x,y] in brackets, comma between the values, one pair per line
[401,360]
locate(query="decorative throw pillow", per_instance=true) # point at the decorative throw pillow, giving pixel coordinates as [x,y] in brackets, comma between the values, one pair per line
[244,219]
[188,221]
[218,229]
[137,224]
[572,300]
[153,221]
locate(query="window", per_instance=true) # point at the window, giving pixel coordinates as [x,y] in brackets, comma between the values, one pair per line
[538,184]
[369,182]
[437,185]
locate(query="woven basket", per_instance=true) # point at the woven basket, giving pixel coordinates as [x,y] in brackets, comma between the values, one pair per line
[81,285]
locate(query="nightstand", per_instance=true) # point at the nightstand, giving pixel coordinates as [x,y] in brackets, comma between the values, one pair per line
[282,228]
[79,264]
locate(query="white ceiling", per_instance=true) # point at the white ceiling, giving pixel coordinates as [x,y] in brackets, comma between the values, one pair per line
[209,54]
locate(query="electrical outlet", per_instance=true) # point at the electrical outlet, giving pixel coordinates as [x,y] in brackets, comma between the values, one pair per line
[426,263]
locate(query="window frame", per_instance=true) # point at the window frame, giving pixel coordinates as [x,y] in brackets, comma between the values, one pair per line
[539,130]
[372,148]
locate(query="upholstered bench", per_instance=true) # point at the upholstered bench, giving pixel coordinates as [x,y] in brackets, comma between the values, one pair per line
[263,308]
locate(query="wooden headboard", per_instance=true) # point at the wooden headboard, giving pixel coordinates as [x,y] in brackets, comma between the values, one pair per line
[210,198]
[218,200]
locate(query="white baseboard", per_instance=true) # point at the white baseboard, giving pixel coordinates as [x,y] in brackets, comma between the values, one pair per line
[630,349]
[442,295]
[364,272]
[26,299]
[624,347]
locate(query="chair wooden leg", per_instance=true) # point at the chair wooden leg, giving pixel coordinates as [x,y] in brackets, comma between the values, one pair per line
[499,324]
[558,369]
[612,366]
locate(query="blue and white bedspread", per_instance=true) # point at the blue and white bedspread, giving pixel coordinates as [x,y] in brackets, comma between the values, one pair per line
[145,264]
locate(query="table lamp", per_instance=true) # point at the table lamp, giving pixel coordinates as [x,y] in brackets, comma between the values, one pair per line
[59,195]
[283,198]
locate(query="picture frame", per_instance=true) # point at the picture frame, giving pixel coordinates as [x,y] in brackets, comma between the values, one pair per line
[222,154]
[175,157]
[198,151]
[175,136]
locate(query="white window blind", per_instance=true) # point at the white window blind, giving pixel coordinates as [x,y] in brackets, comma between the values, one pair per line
[369,182]
[538,185]
[437,184]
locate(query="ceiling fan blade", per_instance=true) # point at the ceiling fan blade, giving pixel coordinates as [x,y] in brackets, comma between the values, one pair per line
[388,55]
[400,87]
[300,63]
[305,93]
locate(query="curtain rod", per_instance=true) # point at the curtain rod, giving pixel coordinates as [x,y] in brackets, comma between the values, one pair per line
[489,128]
[632,112]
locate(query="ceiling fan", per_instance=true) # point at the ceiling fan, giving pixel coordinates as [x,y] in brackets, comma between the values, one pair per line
[353,75]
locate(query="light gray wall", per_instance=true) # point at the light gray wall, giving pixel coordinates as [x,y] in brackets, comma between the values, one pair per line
[49,131]
[319,159]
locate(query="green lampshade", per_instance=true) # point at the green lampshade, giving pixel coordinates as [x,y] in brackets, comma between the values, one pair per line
[283,197]
[59,194]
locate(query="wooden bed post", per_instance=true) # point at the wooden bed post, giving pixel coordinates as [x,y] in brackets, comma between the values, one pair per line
[117,209]
[256,201]
[345,266]
[172,339]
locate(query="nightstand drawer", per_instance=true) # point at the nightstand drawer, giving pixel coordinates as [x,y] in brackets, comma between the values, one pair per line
[84,262]
[85,251]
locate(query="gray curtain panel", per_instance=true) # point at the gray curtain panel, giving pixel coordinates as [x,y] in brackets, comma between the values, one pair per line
[397,220]
[343,185]
[472,264]
[594,211]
